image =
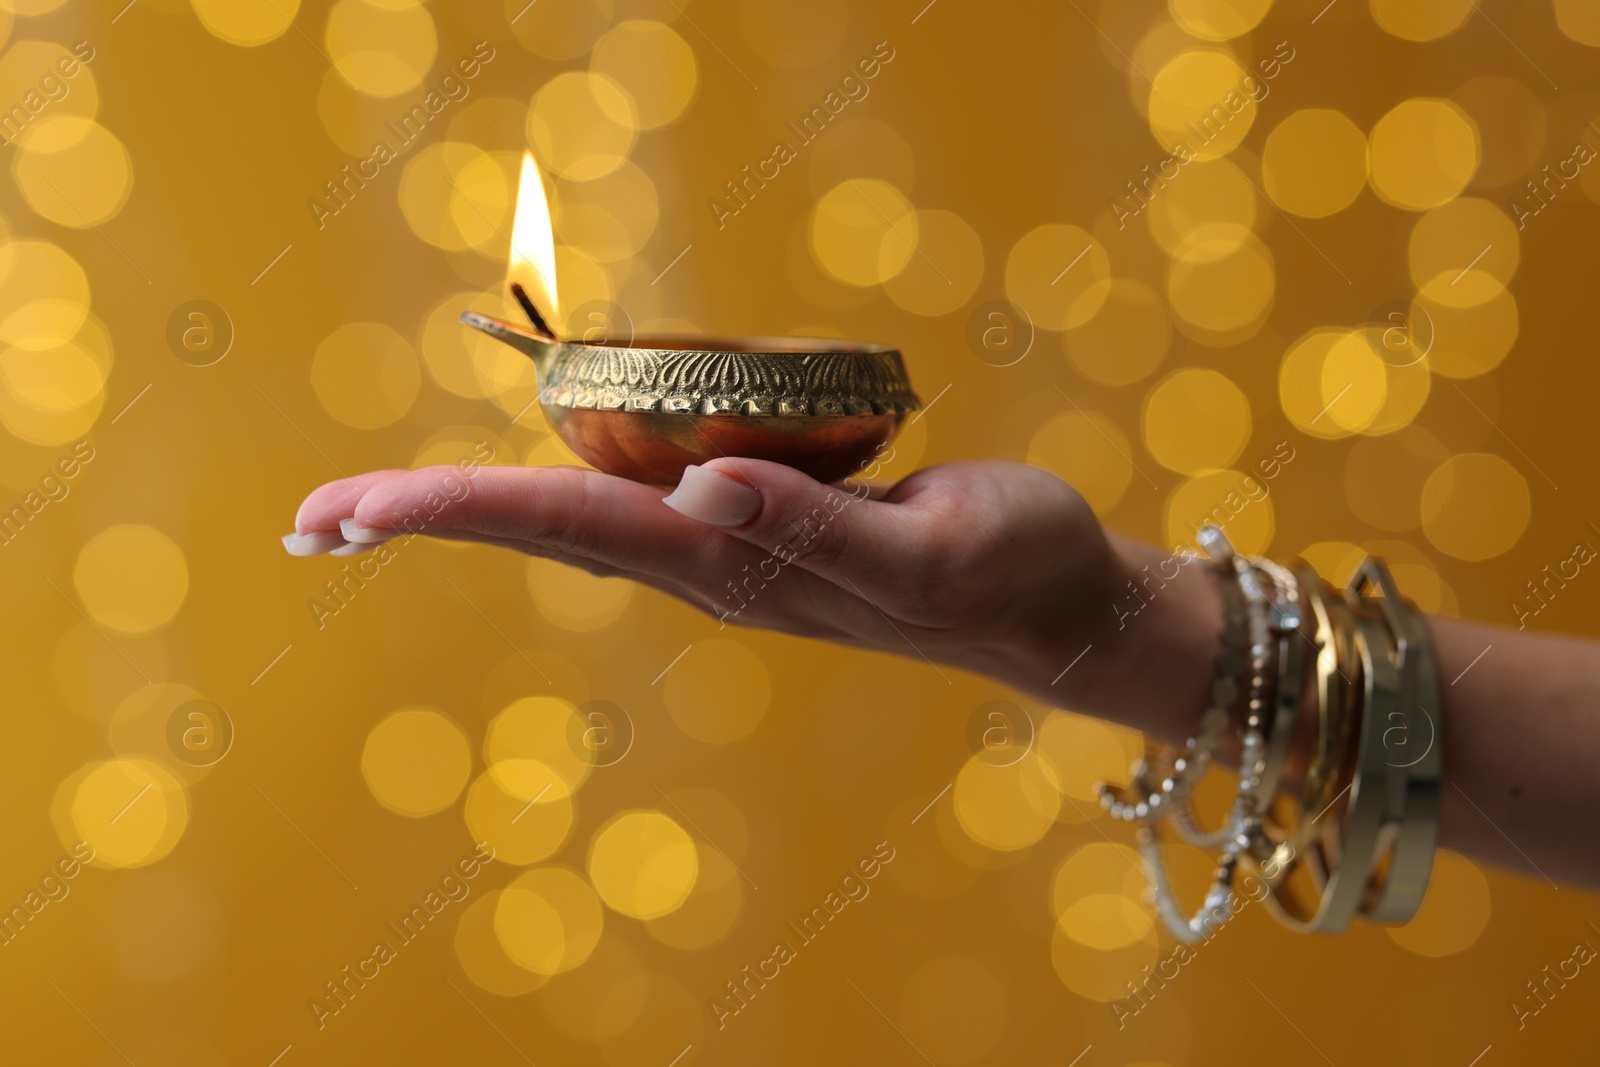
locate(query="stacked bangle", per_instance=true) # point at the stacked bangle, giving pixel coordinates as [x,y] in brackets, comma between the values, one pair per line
[1365,824]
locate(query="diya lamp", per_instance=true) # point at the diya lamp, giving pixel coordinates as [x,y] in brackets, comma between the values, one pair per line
[645,408]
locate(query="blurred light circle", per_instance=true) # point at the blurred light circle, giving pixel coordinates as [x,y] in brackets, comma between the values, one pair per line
[1236,502]
[1196,420]
[1087,451]
[1383,477]
[522,829]
[30,7]
[864,232]
[1579,20]
[131,578]
[1457,239]
[1218,20]
[1199,100]
[1098,867]
[44,294]
[1424,151]
[1475,506]
[538,728]
[574,599]
[601,999]
[582,125]
[483,957]
[365,375]
[75,172]
[450,351]
[1127,340]
[654,64]
[416,762]
[1098,974]
[719,691]
[548,920]
[1420,20]
[794,38]
[434,203]
[1462,289]
[247,22]
[559,31]
[1314,163]
[1213,195]
[710,912]
[355,121]
[861,148]
[483,196]
[1059,275]
[954,1010]
[643,864]
[1006,807]
[1511,124]
[1302,384]
[1453,915]
[1468,341]
[60,378]
[1354,381]
[131,811]
[34,87]
[1222,294]
[610,218]
[1080,752]
[382,48]
[1105,921]
[944,271]
[1405,391]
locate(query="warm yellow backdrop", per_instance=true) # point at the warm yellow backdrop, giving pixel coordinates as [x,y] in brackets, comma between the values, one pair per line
[1323,273]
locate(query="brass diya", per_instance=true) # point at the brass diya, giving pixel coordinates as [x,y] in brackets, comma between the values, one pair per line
[647,409]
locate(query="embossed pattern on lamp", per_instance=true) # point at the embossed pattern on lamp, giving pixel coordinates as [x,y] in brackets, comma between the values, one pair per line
[647,408]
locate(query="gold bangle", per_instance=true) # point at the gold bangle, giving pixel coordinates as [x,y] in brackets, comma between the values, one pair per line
[1400,876]
[1336,694]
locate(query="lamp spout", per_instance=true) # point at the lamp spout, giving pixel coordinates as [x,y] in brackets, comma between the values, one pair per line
[541,350]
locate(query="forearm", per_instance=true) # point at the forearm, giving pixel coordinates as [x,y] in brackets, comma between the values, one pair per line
[1519,723]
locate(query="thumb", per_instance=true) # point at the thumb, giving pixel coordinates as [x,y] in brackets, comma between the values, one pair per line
[835,532]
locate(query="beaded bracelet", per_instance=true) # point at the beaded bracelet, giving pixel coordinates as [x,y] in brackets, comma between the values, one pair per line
[1367,825]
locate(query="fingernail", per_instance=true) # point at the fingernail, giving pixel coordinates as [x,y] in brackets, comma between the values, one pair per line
[311,544]
[351,548]
[712,498]
[357,534]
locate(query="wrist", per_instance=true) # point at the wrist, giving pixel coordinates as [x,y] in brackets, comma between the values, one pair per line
[1161,641]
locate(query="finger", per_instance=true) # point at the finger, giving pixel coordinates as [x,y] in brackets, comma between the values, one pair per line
[582,513]
[326,505]
[835,532]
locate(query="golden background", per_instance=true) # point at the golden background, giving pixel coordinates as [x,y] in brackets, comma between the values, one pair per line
[1372,260]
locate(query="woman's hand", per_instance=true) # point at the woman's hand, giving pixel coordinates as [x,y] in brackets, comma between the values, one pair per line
[1000,568]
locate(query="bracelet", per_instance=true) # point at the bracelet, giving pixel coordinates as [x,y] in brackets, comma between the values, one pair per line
[1413,824]
[1190,767]
[1366,824]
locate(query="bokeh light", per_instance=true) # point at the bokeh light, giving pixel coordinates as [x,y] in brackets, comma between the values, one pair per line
[655,65]
[1475,506]
[1314,162]
[1424,151]
[643,864]
[366,375]
[416,762]
[132,578]
[718,692]
[1453,914]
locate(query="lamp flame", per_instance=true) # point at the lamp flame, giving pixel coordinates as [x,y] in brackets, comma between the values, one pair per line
[533,243]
